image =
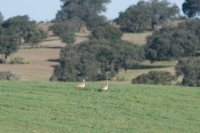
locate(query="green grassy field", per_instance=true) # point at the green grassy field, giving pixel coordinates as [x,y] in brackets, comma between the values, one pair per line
[35,107]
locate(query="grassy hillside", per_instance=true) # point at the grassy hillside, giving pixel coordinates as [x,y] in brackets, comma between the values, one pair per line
[148,66]
[41,60]
[136,38]
[58,107]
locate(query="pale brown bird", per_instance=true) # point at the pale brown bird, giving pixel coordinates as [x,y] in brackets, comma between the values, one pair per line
[104,88]
[80,85]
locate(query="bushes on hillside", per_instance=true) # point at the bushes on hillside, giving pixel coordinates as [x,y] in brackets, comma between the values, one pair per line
[66,30]
[154,77]
[18,60]
[171,43]
[99,58]
[24,28]
[95,60]
[174,43]
[6,75]
[193,26]
[190,70]
[18,30]
[106,31]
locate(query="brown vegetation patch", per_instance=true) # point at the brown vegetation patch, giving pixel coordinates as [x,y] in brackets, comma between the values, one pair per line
[136,38]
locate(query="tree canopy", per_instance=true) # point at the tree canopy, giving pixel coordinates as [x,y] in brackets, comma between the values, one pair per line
[25,29]
[191,7]
[192,26]
[106,31]
[9,42]
[145,15]
[16,29]
[66,30]
[1,18]
[95,60]
[75,14]
[19,25]
[83,11]
[171,43]
[190,70]
[155,77]
[102,55]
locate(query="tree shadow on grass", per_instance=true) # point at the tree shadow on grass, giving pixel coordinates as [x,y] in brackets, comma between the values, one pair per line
[53,60]
[150,67]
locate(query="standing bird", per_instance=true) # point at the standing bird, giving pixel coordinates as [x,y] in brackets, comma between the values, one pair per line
[80,85]
[104,88]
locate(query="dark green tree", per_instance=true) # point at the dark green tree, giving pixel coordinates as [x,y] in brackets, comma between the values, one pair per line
[162,10]
[191,7]
[136,18]
[171,43]
[22,27]
[94,60]
[129,55]
[75,65]
[106,31]
[66,30]
[193,26]
[19,25]
[1,18]
[83,11]
[190,70]
[9,43]
[62,27]
[75,14]
[154,77]
[145,15]
[36,36]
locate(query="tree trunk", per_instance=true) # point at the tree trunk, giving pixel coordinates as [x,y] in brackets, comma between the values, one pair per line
[125,69]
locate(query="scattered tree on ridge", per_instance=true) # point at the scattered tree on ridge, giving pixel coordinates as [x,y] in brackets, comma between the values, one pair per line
[191,7]
[1,18]
[85,12]
[75,14]
[36,36]
[9,43]
[190,70]
[146,15]
[193,26]
[24,28]
[175,42]
[66,30]
[106,31]
[16,29]
[155,77]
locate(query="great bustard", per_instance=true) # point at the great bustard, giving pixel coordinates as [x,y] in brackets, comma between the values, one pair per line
[80,85]
[104,88]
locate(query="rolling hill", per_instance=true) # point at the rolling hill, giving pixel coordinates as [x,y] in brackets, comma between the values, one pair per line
[41,107]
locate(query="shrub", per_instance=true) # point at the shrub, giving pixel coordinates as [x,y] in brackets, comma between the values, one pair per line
[190,70]
[6,75]
[2,61]
[18,60]
[154,77]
